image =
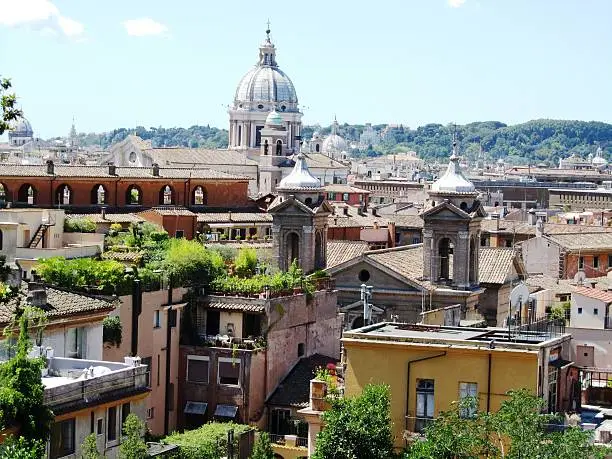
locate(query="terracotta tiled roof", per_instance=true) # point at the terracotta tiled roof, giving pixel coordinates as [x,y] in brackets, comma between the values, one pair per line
[342,188]
[294,390]
[340,251]
[18,170]
[60,303]
[172,211]
[583,241]
[406,221]
[524,228]
[494,264]
[235,217]
[595,293]
[354,219]
[407,261]
[109,218]
[124,257]
[238,306]
[319,160]
[198,156]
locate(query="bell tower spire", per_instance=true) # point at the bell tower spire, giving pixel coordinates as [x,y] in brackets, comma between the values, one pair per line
[267,50]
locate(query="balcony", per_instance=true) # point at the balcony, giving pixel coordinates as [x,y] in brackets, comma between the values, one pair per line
[289,445]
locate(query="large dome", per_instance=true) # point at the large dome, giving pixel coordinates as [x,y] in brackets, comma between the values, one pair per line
[266,86]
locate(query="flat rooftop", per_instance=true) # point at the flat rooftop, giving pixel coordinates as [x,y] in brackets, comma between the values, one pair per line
[526,337]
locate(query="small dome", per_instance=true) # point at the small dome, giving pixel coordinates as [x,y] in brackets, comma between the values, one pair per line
[274,119]
[300,178]
[599,160]
[334,143]
[453,180]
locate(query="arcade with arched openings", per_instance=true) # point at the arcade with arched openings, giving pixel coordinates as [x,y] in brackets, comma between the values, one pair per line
[133,196]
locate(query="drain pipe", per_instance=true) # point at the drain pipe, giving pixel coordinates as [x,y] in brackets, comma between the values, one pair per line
[489,384]
[410,362]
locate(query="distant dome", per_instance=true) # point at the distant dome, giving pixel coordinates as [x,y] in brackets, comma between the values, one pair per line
[453,181]
[599,160]
[274,119]
[266,84]
[334,143]
[22,128]
[300,178]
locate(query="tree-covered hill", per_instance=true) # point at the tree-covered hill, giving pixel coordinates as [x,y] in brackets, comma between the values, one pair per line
[534,141]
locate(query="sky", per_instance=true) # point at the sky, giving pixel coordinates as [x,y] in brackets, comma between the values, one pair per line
[117,63]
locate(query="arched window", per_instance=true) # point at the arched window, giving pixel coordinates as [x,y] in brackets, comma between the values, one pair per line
[317,148]
[2,192]
[239,135]
[266,147]
[463,206]
[133,195]
[166,196]
[98,195]
[64,195]
[27,194]
[473,262]
[132,157]
[319,251]
[445,252]
[293,248]
[279,148]
[199,196]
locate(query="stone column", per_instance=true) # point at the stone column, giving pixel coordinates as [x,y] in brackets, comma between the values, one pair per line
[428,255]
[461,260]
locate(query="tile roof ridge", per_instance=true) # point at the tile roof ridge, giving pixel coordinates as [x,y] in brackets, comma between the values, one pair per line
[400,248]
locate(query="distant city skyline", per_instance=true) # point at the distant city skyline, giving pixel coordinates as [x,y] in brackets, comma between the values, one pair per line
[150,63]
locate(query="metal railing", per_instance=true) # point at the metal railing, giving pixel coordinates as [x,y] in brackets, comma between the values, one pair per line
[277,439]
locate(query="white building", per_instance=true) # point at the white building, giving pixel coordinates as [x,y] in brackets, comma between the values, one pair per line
[369,136]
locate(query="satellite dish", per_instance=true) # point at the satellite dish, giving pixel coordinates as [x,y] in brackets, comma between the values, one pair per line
[580,277]
[519,296]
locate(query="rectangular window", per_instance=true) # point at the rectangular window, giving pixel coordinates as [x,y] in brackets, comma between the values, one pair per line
[580,262]
[158,367]
[75,343]
[468,389]
[125,412]
[579,310]
[609,261]
[150,413]
[596,262]
[111,424]
[148,361]
[213,322]
[425,403]
[197,369]
[595,311]
[179,234]
[100,430]
[62,439]
[156,319]
[345,196]
[229,371]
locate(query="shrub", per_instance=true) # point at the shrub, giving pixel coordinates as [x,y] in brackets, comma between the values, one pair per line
[79,225]
[89,450]
[227,253]
[116,227]
[112,330]
[190,263]
[206,442]
[158,236]
[107,276]
[246,262]
[263,447]
[133,445]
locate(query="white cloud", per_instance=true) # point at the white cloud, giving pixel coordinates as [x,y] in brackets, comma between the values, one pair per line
[456,3]
[143,27]
[39,14]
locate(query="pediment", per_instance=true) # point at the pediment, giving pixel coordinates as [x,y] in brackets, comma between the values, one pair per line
[289,206]
[446,211]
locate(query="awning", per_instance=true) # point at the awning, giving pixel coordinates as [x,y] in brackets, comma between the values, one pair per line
[226,411]
[560,363]
[195,408]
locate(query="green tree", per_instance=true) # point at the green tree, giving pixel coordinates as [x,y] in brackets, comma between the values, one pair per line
[190,263]
[22,391]
[133,445]
[20,448]
[89,450]
[7,100]
[518,430]
[357,428]
[263,447]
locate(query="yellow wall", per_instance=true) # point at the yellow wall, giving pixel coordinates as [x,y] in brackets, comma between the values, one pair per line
[378,363]
[290,452]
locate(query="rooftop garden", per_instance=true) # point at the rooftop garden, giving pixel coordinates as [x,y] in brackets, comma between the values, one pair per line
[206,442]
[216,268]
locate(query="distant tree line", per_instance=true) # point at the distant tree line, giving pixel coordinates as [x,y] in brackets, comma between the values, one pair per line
[535,141]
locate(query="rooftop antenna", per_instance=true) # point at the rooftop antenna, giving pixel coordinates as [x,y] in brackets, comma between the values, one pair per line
[519,297]
[579,278]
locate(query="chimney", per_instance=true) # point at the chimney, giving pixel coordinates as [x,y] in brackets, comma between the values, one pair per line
[345,209]
[37,295]
[374,212]
[531,217]
[103,212]
[391,229]
[155,170]
[360,211]
[539,228]
[112,169]
[50,167]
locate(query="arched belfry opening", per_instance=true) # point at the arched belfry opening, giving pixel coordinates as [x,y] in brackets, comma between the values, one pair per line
[293,248]
[473,267]
[445,260]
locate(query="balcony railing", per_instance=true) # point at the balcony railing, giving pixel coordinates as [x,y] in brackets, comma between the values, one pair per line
[289,440]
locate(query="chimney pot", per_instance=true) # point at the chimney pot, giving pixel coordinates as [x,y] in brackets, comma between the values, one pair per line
[112,169]
[37,294]
[50,167]
[103,212]
[155,170]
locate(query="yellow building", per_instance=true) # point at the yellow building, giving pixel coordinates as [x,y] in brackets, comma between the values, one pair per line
[429,367]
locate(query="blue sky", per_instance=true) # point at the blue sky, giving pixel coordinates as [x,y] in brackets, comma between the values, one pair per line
[402,61]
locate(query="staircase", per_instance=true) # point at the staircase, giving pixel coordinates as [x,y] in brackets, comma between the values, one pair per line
[39,234]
